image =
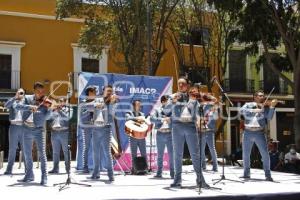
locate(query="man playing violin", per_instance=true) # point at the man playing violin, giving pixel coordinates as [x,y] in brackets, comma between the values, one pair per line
[86,122]
[102,133]
[59,122]
[184,118]
[36,107]
[207,124]
[256,116]
[15,129]
[138,116]
[161,119]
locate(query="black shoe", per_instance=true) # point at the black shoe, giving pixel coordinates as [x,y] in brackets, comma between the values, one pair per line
[245,177]
[175,185]
[85,171]
[203,185]
[111,179]
[53,171]
[44,181]
[26,180]
[269,179]
[7,173]
[94,177]
[157,176]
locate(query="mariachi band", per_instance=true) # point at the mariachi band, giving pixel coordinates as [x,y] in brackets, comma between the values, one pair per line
[188,115]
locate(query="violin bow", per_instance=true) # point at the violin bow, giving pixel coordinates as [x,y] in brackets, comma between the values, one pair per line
[52,92]
[70,88]
[269,96]
[176,71]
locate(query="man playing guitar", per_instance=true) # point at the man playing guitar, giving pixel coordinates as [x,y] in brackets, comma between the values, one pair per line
[139,117]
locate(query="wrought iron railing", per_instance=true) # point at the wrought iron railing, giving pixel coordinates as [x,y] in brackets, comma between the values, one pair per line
[235,85]
[282,87]
[250,85]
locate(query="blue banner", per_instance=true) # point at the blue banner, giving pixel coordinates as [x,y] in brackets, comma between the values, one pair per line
[147,89]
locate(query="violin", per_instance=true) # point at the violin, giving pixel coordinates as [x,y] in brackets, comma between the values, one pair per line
[204,98]
[111,99]
[44,101]
[268,103]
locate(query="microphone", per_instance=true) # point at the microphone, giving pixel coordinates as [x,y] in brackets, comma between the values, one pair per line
[214,78]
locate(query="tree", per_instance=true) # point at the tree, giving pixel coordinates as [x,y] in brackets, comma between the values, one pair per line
[122,26]
[275,22]
[190,36]
[266,23]
[225,19]
[271,23]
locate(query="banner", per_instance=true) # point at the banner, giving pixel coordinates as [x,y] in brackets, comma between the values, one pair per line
[147,89]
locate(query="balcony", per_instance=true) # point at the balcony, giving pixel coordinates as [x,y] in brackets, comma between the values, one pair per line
[281,89]
[246,86]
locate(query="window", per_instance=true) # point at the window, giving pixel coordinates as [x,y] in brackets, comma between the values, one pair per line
[83,62]
[5,71]
[90,65]
[270,78]
[237,71]
[10,64]
[199,75]
[197,36]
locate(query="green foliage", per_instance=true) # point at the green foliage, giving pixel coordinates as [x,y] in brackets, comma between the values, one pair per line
[121,26]
[281,62]
[68,8]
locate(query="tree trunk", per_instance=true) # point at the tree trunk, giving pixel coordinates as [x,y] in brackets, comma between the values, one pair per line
[297,105]
[273,68]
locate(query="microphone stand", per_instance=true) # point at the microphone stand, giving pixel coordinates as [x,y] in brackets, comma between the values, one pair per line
[201,117]
[63,185]
[150,155]
[224,98]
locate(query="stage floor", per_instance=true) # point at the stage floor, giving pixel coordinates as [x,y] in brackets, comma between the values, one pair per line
[286,186]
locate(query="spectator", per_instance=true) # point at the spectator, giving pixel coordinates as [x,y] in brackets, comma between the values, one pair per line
[275,161]
[292,160]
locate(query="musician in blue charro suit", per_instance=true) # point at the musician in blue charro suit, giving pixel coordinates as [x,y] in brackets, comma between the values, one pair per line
[138,116]
[161,119]
[36,110]
[102,132]
[208,128]
[59,120]
[16,128]
[256,116]
[184,118]
[86,122]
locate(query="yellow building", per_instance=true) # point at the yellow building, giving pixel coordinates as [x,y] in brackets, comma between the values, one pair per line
[34,46]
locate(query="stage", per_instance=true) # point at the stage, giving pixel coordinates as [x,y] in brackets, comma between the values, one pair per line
[286,186]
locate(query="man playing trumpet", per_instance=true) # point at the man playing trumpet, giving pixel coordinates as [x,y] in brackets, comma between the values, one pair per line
[15,129]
